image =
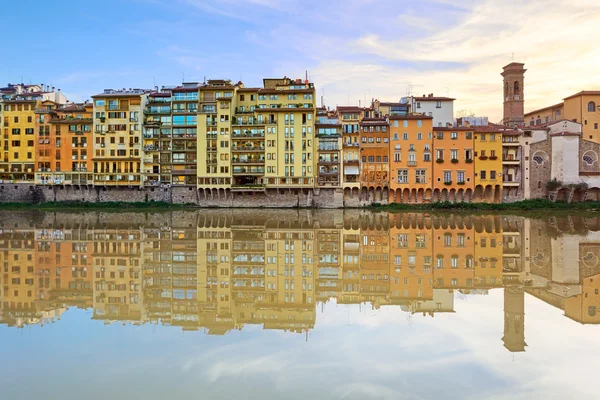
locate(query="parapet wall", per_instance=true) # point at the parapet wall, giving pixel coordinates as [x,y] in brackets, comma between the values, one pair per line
[270,198]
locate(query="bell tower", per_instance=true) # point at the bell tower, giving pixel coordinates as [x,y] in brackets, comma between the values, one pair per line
[514,319]
[514,100]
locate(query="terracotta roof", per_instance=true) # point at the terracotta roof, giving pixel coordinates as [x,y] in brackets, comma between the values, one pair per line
[403,117]
[159,94]
[584,93]
[545,108]
[373,121]
[349,109]
[434,98]
[454,128]
[290,91]
[486,129]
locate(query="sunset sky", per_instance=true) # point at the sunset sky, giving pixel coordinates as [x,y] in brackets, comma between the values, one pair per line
[353,49]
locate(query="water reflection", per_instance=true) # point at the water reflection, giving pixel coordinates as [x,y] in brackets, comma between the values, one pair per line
[220,271]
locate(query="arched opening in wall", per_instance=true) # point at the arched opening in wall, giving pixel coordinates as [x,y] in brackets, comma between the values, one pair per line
[355,192]
[385,194]
[468,195]
[420,196]
[436,195]
[452,195]
[478,194]
[591,106]
[413,196]
[557,115]
[516,88]
[378,194]
[460,195]
[364,194]
[590,160]
[347,193]
[371,194]
[590,259]
[593,194]
[539,158]
[427,195]
[406,196]
[497,194]
[562,194]
[444,195]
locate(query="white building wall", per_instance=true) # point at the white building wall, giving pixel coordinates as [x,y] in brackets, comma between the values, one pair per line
[565,159]
[441,116]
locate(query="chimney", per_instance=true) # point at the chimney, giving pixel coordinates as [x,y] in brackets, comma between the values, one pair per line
[53,88]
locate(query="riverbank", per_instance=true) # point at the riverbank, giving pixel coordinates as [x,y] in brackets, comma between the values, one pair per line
[525,205]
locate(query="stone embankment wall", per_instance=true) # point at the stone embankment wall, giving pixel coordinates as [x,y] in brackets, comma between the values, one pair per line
[270,198]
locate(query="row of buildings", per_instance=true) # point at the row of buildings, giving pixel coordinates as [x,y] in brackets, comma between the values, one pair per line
[222,137]
[239,269]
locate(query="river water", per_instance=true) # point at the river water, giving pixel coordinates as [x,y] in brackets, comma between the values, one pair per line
[297,304]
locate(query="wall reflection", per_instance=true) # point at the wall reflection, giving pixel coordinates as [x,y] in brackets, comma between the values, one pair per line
[219,271]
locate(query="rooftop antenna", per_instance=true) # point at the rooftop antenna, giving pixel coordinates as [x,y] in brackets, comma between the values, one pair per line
[182,77]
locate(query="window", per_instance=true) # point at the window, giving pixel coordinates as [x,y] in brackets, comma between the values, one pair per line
[397,156]
[460,176]
[460,240]
[454,154]
[453,135]
[447,240]
[419,123]
[447,176]
[539,157]
[419,136]
[402,176]
[438,104]
[482,174]
[405,136]
[590,158]
[591,106]
[420,176]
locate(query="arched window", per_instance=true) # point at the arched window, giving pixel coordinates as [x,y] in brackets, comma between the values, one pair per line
[506,90]
[592,311]
[540,157]
[590,158]
[539,184]
[591,106]
[532,122]
[558,113]
[538,121]
[516,88]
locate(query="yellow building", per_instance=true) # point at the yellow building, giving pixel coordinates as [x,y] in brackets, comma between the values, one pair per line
[488,252]
[350,117]
[117,289]
[117,137]
[488,164]
[253,139]
[582,107]
[18,140]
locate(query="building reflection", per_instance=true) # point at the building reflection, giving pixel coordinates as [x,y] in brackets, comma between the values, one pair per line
[219,271]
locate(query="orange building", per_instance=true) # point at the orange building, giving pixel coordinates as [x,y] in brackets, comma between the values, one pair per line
[411,246]
[453,171]
[453,251]
[411,168]
[374,265]
[61,148]
[374,153]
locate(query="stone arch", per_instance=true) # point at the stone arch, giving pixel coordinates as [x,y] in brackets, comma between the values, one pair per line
[452,195]
[364,194]
[468,195]
[427,195]
[562,194]
[540,157]
[371,195]
[420,196]
[593,194]
[406,195]
[347,193]
[444,194]
[497,194]
[436,195]
[460,195]
[413,196]
[590,159]
[478,193]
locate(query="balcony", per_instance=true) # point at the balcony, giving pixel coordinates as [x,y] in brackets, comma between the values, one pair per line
[325,161]
[411,163]
[185,111]
[247,149]
[351,162]
[356,145]
[252,161]
[249,135]
[248,170]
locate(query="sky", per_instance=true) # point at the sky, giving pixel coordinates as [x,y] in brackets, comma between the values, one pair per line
[353,50]
[353,353]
